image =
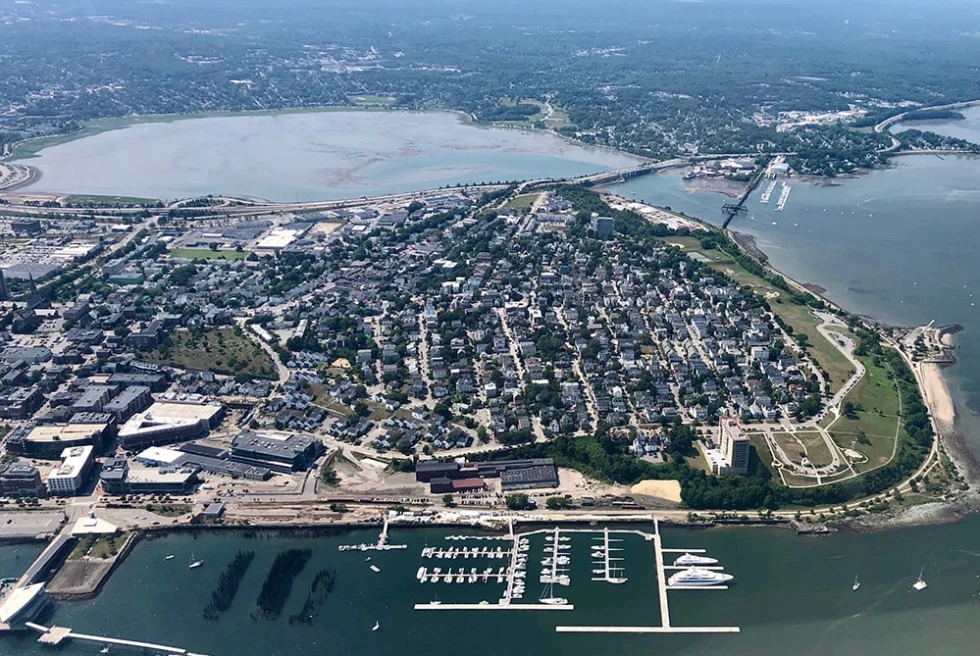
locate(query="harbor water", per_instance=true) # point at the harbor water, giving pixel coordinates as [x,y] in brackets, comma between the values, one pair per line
[789,590]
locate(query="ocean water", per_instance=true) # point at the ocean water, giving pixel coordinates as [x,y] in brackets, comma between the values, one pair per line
[308,156]
[786,587]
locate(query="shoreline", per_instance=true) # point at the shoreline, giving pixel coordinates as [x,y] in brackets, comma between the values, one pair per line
[934,390]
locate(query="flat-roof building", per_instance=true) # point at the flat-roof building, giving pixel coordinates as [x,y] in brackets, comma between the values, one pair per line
[156,382]
[49,441]
[129,401]
[93,399]
[29,354]
[453,476]
[427,470]
[20,480]
[118,477]
[527,478]
[70,476]
[734,445]
[20,402]
[165,422]
[276,449]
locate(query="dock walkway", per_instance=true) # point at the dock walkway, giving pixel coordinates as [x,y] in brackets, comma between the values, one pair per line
[56,635]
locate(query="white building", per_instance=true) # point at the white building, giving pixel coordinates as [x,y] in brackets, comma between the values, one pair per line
[70,476]
[734,446]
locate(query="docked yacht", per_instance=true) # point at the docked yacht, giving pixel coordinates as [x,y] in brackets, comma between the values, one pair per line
[692,576]
[548,597]
[689,560]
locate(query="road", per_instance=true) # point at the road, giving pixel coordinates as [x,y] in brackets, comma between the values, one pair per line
[897,118]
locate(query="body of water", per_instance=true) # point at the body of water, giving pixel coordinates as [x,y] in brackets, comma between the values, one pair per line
[966,128]
[308,156]
[791,592]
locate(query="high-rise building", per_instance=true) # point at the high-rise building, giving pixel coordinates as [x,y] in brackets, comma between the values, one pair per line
[734,445]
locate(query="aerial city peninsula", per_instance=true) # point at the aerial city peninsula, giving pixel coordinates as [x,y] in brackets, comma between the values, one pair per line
[474,283]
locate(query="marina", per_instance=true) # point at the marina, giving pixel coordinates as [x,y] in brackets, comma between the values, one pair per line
[783,197]
[608,573]
[767,193]
[692,572]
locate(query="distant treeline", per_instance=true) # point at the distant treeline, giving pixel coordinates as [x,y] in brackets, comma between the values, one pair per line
[933,115]
[279,582]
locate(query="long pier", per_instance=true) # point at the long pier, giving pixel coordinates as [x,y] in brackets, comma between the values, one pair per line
[661,578]
[647,629]
[56,635]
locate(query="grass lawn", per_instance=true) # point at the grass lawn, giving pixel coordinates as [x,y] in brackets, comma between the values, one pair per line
[208,254]
[522,202]
[221,350]
[810,444]
[96,547]
[94,199]
[798,316]
[877,397]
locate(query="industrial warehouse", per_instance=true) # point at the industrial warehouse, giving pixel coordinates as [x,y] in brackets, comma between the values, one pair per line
[454,476]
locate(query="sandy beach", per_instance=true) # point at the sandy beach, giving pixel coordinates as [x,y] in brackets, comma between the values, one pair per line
[937,396]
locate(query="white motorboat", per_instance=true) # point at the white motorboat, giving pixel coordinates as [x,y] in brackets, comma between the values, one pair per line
[857,584]
[375,569]
[420,573]
[377,625]
[170,557]
[692,576]
[689,560]
[194,564]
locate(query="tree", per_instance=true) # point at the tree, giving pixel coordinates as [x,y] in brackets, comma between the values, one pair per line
[517,501]
[338,508]
[449,500]
[213,245]
[362,409]
[558,503]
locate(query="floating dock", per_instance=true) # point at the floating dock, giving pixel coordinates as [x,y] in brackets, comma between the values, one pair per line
[381,545]
[647,629]
[493,607]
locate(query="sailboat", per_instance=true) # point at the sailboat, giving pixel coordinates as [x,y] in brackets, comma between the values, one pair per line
[377,625]
[194,564]
[169,557]
[548,596]
[919,583]
[857,584]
